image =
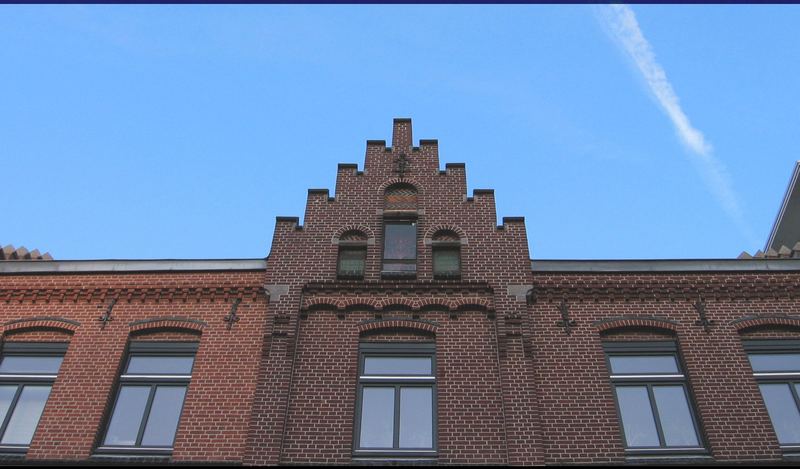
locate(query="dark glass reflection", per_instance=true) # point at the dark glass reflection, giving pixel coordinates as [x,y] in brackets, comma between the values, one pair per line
[351,261]
[676,418]
[782,411]
[637,416]
[25,416]
[397,366]
[6,396]
[127,417]
[400,241]
[377,418]
[446,261]
[643,364]
[416,417]
[164,416]
[775,362]
[159,365]
[32,364]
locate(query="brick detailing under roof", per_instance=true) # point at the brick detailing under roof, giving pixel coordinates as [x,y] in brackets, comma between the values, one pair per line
[9,253]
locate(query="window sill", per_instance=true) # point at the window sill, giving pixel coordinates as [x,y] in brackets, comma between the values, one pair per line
[668,455]
[398,274]
[350,277]
[403,456]
[447,276]
[132,452]
[10,449]
[791,452]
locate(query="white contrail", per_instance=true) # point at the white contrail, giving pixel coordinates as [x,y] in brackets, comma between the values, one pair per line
[625,30]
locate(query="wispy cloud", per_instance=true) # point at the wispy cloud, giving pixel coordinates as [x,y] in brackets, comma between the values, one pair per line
[622,24]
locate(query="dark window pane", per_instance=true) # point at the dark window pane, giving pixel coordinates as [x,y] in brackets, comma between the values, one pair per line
[164,416]
[637,416]
[782,411]
[400,241]
[643,364]
[377,418]
[159,365]
[127,417]
[399,267]
[397,366]
[351,261]
[416,417]
[25,416]
[446,261]
[776,362]
[676,419]
[19,364]
[6,396]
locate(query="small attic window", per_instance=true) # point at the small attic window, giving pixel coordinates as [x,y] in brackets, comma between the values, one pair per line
[446,255]
[352,255]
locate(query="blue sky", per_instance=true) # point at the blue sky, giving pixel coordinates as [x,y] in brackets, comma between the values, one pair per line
[182,131]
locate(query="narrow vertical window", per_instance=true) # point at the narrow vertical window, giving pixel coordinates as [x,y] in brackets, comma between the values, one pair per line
[652,398]
[400,247]
[396,409]
[150,397]
[776,367]
[352,255]
[27,373]
[446,247]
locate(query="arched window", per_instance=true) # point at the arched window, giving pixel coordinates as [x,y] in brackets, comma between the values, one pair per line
[352,255]
[446,254]
[400,231]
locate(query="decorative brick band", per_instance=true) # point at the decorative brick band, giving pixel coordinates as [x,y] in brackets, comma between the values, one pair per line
[656,288]
[412,324]
[171,322]
[779,320]
[400,304]
[621,322]
[46,322]
[76,294]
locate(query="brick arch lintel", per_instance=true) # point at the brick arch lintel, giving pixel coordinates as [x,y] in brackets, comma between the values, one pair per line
[364,229]
[45,322]
[626,322]
[776,320]
[417,325]
[398,180]
[170,322]
[428,237]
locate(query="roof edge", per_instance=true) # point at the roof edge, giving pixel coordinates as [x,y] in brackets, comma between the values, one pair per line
[126,265]
[665,265]
[784,203]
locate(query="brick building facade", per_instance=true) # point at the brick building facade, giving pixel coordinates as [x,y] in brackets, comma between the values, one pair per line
[399,323]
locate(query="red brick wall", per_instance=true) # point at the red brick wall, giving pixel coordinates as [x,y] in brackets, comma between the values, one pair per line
[213,424]
[481,417]
[579,419]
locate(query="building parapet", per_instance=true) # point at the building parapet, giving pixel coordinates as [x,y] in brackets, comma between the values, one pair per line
[666,265]
[119,265]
